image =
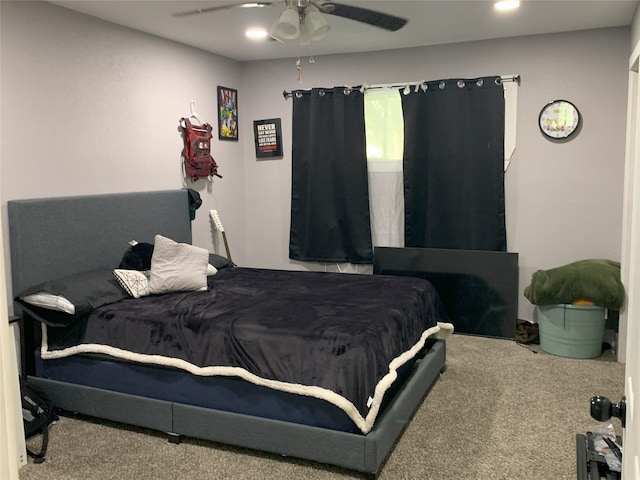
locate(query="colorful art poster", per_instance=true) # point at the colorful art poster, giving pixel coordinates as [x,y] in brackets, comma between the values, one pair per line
[227,113]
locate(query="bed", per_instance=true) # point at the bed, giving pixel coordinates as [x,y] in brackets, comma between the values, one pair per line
[271,391]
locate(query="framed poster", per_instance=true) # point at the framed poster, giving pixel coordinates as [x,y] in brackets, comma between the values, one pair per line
[268,138]
[227,113]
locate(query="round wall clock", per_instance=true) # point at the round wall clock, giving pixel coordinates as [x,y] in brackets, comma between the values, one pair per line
[559,119]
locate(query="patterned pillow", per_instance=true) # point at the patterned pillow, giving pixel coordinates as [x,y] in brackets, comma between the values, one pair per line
[135,282]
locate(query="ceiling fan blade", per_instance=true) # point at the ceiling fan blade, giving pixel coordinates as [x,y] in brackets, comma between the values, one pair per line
[198,11]
[364,15]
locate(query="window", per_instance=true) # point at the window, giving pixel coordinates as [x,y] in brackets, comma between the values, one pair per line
[384,126]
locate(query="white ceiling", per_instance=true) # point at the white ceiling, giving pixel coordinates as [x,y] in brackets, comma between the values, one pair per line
[430,22]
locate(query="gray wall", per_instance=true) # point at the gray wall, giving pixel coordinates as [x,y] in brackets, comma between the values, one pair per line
[102,104]
[635,29]
[91,107]
[563,201]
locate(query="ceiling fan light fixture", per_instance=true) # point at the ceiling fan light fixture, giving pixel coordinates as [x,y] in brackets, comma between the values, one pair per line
[304,40]
[287,27]
[316,24]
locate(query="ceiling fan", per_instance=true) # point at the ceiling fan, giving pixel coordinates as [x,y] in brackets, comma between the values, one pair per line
[303,19]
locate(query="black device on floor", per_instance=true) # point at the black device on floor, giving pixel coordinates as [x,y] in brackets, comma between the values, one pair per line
[591,464]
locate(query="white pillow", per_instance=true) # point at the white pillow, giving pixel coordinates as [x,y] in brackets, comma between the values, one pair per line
[50,301]
[177,267]
[135,282]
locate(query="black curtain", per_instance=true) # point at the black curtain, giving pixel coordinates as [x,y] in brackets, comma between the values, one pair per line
[329,190]
[454,165]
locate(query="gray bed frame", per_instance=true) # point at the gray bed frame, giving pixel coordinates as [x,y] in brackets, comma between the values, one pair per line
[54,237]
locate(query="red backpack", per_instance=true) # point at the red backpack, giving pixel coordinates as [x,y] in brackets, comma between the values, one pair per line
[198,162]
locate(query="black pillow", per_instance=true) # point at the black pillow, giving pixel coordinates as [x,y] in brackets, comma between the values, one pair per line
[86,291]
[137,257]
[219,261]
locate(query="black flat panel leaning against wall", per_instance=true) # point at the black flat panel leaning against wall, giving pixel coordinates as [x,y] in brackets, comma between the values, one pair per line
[479,289]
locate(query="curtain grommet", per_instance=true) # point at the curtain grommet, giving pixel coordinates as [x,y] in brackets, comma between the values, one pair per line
[461,83]
[479,82]
[498,81]
[441,85]
[322,93]
[298,94]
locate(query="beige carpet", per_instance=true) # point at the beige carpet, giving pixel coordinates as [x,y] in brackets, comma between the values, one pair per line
[500,411]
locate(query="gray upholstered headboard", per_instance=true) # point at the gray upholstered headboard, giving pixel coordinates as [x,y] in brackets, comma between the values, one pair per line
[55,237]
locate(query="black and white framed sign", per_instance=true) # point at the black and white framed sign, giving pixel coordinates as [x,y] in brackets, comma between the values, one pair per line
[268,138]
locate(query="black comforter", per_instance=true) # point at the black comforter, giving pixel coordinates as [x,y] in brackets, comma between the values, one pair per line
[334,336]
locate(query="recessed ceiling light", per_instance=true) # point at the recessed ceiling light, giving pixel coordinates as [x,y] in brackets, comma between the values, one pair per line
[505,5]
[256,33]
[255,5]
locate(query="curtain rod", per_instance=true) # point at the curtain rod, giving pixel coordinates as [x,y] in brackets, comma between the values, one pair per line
[505,78]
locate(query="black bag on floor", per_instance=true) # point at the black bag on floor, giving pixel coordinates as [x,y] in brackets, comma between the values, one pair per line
[37,414]
[527,332]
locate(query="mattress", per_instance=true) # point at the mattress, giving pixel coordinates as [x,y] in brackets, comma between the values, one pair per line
[229,394]
[335,337]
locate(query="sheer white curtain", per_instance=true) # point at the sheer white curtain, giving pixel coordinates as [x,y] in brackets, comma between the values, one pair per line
[385,138]
[510,121]
[12,445]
